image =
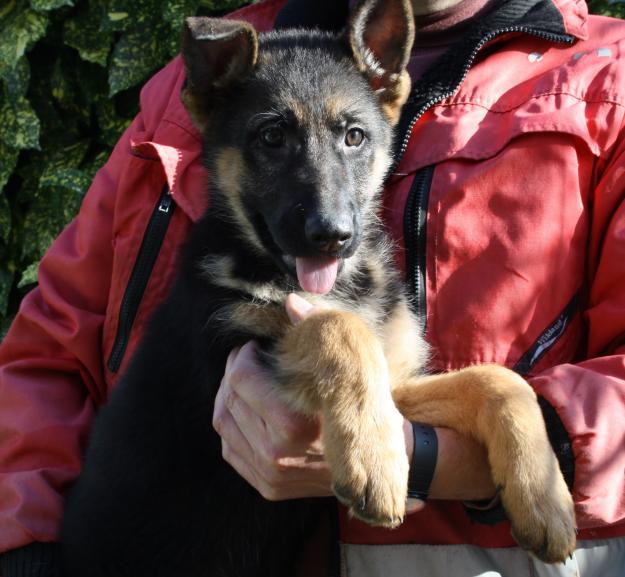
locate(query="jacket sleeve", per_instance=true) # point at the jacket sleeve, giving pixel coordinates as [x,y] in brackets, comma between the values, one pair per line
[589,397]
[51,372]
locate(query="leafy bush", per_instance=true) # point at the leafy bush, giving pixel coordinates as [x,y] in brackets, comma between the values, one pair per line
[70,72]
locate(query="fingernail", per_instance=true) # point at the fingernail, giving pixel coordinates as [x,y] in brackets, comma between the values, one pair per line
[297,307]
[414,505]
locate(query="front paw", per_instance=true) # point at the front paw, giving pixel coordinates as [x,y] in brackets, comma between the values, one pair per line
[542,519]
[370,470]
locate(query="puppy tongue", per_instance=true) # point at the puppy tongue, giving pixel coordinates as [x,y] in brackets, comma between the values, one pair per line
[317,274]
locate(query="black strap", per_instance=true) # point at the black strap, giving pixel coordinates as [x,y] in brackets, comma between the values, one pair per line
[424,459]
[560,441]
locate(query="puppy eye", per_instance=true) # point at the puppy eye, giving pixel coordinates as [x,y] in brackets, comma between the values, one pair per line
[354,137]
[272,136]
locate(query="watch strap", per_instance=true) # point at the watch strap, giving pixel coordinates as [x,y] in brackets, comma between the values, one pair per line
[424,459]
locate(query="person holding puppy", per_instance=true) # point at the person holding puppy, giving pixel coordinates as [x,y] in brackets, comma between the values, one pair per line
[508,184]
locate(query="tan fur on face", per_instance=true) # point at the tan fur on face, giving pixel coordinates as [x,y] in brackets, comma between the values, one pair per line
[336,105]
[299,109]
[230,174]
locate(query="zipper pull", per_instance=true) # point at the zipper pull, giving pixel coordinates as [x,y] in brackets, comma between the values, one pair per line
[165,204]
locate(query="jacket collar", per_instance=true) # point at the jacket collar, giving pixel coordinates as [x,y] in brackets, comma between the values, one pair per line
[574,17]
[558,21]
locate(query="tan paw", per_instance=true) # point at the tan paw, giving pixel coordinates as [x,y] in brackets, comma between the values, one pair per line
[543,522]
[370,470]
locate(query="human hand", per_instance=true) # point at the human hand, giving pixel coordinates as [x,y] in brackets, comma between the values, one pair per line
[275,449]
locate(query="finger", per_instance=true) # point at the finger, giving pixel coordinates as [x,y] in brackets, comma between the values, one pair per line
[247,378]
[273,448]
[297,308]
[414,505]
[243,468]
[231,359]
[251,426]
[220,410]
[237,420]
[245,459]
[254,386]
[274,464]
[278,480]
[252,476]
[232,437]
[237,451]
[299,483]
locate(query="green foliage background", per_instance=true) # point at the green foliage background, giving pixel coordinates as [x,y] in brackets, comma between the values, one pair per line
[70,74]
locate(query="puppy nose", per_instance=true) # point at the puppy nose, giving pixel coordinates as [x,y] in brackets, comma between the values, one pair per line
[328,234]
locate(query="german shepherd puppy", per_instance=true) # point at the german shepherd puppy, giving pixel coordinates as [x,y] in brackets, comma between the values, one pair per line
[297,129]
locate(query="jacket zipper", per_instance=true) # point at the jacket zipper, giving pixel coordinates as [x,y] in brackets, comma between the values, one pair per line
[415,216]
[548,338]
[142,269]
[552,37]
[415,221]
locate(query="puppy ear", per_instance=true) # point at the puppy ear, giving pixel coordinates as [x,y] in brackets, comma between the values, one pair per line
[381,33]
[216,53]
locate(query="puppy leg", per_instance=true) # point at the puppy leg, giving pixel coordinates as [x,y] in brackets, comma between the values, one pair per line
[332,364]
[499,408]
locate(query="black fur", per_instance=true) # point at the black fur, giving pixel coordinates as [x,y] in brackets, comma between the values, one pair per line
[155,497]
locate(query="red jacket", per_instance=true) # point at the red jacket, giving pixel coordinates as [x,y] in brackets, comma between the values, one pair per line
[520,260]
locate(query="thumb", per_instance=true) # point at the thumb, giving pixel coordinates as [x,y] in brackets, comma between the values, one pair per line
[297,308]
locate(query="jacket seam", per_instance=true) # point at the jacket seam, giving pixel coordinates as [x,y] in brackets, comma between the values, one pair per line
[184,128]
[144,156]
[612,100]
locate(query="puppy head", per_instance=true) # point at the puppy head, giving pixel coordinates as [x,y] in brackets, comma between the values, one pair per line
[297,127]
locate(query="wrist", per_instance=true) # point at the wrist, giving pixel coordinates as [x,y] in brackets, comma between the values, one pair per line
[462,470]
[423,461]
